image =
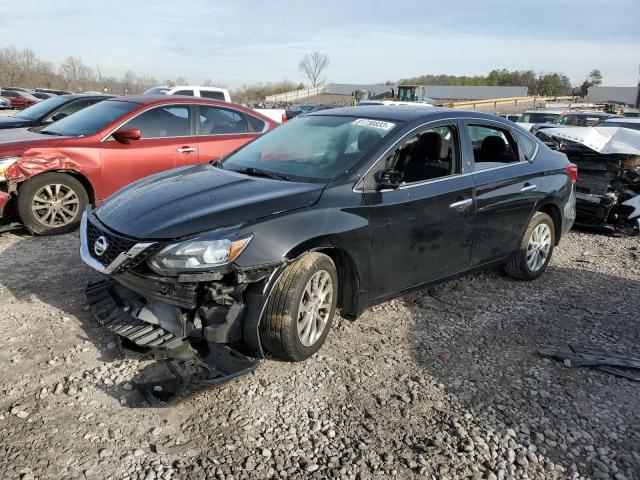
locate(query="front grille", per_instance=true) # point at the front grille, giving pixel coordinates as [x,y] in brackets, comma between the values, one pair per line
[115,244]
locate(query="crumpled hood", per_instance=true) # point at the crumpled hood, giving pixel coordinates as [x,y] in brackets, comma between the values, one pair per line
[23,138]
[14,122]
[200,198]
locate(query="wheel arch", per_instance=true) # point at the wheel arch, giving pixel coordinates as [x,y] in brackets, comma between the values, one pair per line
[349,282]
[72,173]
[553,211]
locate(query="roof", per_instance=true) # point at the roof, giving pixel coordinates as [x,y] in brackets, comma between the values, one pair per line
[160,98]
[623,119]
[450,92]
[626,95]
[546,111]
[403,113]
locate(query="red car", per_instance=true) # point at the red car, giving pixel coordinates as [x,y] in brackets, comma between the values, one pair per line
[19,99]
[48,177]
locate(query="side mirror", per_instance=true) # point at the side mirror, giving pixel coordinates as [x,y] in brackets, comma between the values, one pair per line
[386,179]
[125,135]
[58,116]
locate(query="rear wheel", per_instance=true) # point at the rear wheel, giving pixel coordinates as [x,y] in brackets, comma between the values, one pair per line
[300,309]
[51,203]
[535,249]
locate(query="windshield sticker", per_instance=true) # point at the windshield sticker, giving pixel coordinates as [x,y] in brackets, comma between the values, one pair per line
[363,122]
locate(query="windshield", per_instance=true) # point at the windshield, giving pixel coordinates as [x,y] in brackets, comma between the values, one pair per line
[156,90]
[314,148]
[39,110]
[575,120]
[92,119]
[538,117]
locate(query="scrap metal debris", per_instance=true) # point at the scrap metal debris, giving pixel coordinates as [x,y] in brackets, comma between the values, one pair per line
[617,364]
[10,226]
[608,187]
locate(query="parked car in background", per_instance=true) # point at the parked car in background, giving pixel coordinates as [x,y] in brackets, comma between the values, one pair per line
[50,110]
[342,208]
[531,117]
[296,110]
[623,122]
[18,98]
[214,93]
[509,116]
[5,103]
[48,176]
[572,119]
[42,95]
[49,90]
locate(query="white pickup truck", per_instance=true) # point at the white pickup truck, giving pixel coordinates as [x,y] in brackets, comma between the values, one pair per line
[216,93]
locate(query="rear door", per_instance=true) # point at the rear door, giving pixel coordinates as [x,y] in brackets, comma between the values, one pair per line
[506,188]
[223,130]
[167,141]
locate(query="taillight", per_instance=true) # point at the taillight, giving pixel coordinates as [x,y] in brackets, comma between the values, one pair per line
[284,117]
[572,171]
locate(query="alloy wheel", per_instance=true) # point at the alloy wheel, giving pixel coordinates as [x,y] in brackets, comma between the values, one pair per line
[315,307]
[538,247]
[55,205]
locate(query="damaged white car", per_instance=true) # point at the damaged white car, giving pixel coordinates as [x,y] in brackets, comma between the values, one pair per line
[608,186]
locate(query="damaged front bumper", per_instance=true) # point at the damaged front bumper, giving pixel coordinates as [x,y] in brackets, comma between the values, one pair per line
[206,324]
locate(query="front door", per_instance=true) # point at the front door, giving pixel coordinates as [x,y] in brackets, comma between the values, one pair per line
[420,230]
[167,141]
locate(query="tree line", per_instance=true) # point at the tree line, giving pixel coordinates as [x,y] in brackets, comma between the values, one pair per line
[23,68]
[546,84]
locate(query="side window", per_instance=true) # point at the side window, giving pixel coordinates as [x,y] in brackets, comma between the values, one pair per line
[431,153]
[210,94]
[162,122]
[217,121]
[184,92]
[527,146]
[492,146]
[74,107]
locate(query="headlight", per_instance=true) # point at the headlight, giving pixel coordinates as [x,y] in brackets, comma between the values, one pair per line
[195,255]
[5,164]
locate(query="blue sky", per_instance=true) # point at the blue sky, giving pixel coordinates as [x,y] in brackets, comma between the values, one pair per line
[243,41]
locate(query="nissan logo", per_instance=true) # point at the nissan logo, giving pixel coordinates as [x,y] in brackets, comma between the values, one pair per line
[100,246]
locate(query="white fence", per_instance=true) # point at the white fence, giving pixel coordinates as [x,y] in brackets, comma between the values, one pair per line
[297,94]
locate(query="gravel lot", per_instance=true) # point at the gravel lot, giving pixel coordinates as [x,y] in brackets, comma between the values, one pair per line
[445,383]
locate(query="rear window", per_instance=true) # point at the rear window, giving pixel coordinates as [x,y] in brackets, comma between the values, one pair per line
[213,95]
[538,117]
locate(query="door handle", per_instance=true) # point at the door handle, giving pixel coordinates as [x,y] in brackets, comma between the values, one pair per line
[186,150]
[528,187]
[462,204]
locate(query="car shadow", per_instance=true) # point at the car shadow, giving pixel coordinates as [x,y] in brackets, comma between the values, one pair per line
[478,338]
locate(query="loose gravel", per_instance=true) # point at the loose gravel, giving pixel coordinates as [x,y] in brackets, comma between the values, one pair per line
[441,384]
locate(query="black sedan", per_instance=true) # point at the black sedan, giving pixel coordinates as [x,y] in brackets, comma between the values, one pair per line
[343,208]
[50,110]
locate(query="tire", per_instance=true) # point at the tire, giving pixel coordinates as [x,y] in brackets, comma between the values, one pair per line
[53,218]
[520,267]
[279,328]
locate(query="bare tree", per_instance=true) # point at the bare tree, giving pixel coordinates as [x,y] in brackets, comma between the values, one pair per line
[312,65]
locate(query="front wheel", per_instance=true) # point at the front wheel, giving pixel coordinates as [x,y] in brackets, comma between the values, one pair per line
[301,307]
[534,252]
[51,203]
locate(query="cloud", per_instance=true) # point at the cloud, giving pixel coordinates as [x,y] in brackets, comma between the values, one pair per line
[240,41]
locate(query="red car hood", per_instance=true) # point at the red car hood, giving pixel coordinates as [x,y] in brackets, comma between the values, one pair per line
[22,139]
